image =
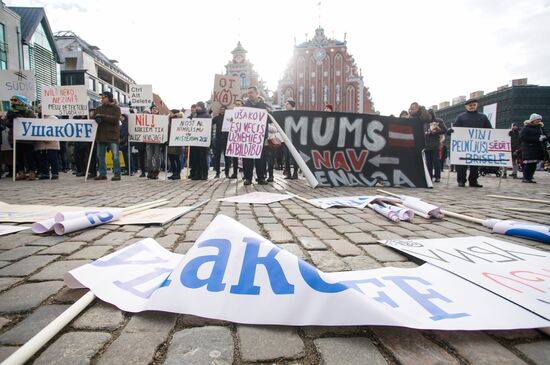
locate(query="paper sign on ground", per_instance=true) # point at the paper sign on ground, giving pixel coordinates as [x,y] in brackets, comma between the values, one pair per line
[152,216]
[481,147]
[517,273]
[226,91]
[247,133]
[148,128]
[232,273]
[17,82]
[256,197]
[64,100]
[141,95]
[76,130]
[349,201]
[11,229]
[191,132]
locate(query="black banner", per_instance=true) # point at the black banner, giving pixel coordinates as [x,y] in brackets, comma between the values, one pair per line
[345,149]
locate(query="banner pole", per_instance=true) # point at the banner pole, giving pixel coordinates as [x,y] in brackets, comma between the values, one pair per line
[187,161]
[90,155]
[166,164]
[13,158]
[299,160]
[128,163]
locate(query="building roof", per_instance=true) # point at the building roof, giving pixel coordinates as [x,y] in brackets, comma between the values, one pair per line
[30,19]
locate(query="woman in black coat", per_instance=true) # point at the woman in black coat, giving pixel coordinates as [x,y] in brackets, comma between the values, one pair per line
[533,144]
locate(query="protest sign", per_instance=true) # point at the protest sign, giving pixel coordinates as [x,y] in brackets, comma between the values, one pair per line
[491,112]
[76,130]
[246,133]
[226,91]
[148,128]
[191,132]
[17,82]
[519,274]
[232,273]
[227,119]
[344,201]
[11,229]
[141,95]
[344,149]
[481,147]
[257,197]
[64,100]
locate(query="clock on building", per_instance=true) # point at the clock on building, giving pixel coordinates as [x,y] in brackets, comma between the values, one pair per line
[319,54]
[239,58]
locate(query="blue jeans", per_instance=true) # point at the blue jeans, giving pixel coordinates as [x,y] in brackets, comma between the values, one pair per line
[101,150]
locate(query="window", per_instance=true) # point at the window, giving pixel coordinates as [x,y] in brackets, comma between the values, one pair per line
[244,81]
[3,48]
[91,84]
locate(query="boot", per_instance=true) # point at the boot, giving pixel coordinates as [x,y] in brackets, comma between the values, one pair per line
[20,176]
[295,175]
[156,174]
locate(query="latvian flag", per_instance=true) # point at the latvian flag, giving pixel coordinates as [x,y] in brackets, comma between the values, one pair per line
[400,135]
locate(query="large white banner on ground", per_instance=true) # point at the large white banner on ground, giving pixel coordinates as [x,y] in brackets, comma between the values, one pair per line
[517,273]
[11,229]
[141,95]
[148,128]
[17,82]
[64,100]
[481,147]
[246,133]
[257,197]
[77,130]
[232,273]
[191,132]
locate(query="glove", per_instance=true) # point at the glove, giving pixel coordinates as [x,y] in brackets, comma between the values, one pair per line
[450,131]
[542,137]
[98,118]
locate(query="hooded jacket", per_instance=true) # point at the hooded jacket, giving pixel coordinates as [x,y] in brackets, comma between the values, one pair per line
[532,149]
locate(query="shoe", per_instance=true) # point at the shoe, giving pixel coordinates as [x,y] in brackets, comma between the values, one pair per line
[80,174]
[100,177]
[204,177]
[528,181]
[217,176]
[262,182]
[504,177]
[43,177]
[142,174]
[295,176]
[195,178]
[176,177]
[247,182]
[475,185]
[115,178]
[437,180]
[91,176]
[55,177]
[234,176]
[288,177]
[461,185]
[270,179]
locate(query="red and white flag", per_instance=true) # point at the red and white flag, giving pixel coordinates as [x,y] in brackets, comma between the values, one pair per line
[400,135]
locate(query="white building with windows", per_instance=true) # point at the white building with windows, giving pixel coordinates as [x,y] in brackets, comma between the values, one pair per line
[243,69]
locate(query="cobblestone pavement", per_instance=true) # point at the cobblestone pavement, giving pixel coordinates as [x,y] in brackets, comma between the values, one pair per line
[32,291]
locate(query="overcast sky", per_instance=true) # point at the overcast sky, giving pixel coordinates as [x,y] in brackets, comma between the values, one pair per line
[425,51]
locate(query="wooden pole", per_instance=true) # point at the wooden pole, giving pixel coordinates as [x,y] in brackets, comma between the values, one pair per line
[520,199]
[527,210]
[187,161]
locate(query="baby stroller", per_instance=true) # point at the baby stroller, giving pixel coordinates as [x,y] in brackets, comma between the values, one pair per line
[486,170]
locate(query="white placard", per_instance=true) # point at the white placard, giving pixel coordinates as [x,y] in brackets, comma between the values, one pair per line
[246,133]
[17,82]
[141,95]
[481,147]
[519,274]
[64,100]
[491,112]
[77,130]
[11,229]
[231,273]
[148,128]
[257,197]
[191,132]
[227,119]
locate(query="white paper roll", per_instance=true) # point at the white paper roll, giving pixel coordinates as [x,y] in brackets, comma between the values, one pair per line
[404,214]
[64,216]
[91,219]
[421,206]
[43,226]
[386,212]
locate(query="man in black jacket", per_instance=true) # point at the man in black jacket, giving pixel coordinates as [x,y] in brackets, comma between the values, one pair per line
[471,118]
[199,155]
[255,101]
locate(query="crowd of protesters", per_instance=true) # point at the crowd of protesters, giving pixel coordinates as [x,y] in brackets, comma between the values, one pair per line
[44,160]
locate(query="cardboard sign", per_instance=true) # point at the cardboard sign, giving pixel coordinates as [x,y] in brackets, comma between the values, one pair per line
[65,100]
[517,273]
[191,132]
[347,149]
[141,95]
[481,147]
[227,119]
[232,273]
[226,91]
[247,133]
[76,130]
[256,197]
[17,82]
[11,229]
[148,128]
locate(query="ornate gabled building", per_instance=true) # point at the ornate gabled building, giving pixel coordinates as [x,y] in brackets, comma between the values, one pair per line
[243,69]
[322,72]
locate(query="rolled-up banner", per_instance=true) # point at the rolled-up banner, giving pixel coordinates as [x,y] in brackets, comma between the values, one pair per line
[90,219]
[529,230]
[43,226]
[404,214]
[386,212]
[64,216]
[421,206]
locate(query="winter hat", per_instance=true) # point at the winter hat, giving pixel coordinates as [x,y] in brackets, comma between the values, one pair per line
[107,94]
[534,117]
[291,102]
[201,105]
[470,101]
[22,99]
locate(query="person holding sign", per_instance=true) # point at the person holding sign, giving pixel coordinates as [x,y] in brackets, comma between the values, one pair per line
[107,117]
[533,146]
[48,152]
[24,157]
[153,151]
[255,101]
[471,118]
[433,130]
[174,152]
[199,155]
[219,141]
